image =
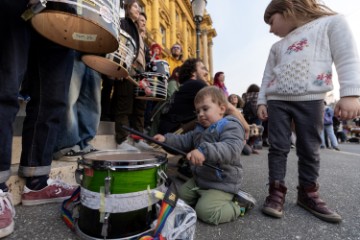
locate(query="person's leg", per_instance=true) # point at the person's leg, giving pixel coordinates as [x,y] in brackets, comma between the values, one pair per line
[14,47]
[138,115]
[322,136]
[279,137]
[106,89]
[68,137]
[279,125]
[50,71]
[309,123]
[308,127]
[124,100]
[188,192]
[330,132]
[89,108]
[215,207]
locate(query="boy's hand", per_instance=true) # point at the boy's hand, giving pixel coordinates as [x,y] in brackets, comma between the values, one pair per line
[262,112]
[347,108]
[196,157]
[159,138]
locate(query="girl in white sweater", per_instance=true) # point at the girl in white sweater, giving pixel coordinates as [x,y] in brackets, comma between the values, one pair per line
[297,76]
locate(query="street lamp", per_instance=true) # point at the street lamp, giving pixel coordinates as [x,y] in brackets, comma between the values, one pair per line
[198,8]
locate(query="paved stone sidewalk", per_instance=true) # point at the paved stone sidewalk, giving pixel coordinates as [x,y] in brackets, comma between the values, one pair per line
[339,186]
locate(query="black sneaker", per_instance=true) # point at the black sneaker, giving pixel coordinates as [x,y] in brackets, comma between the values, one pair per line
[184,172]
[244,199]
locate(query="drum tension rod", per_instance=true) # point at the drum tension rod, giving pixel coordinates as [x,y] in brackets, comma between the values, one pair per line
[34,9]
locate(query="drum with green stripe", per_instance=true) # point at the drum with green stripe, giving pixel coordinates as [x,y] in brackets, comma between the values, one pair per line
[125,178]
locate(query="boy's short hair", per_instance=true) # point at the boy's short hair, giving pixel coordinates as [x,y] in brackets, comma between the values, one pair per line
[216,94]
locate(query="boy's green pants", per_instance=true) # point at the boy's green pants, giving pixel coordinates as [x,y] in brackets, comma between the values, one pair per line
[211,206]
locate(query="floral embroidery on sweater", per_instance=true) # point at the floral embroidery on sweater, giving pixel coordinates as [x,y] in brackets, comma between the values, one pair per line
[297,46]
[323,78]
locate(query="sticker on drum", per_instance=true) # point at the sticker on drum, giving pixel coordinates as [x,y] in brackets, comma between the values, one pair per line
[157,85]
[86,26]
[120,186]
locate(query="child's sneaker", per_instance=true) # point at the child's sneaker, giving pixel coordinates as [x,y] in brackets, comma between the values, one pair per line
[244,199]
[7,214]
[56,191]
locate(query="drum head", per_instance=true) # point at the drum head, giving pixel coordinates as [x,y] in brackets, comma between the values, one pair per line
[74,32]
[105,66]
[123,159]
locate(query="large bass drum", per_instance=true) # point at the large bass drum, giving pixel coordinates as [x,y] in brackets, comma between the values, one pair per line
[88,26]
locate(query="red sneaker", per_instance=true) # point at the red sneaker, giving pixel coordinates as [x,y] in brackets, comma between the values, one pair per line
[56,191]
[7,214]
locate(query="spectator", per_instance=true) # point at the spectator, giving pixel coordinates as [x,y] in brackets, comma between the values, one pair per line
[175,59]
[329,129]
[219,81]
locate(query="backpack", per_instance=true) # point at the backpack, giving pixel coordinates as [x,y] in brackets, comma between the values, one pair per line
[328,116]
[249,111]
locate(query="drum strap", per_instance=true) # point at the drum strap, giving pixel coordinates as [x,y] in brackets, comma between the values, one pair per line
[118,203]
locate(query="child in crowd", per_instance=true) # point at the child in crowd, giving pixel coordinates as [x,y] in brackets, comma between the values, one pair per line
[219,140]
[297,76]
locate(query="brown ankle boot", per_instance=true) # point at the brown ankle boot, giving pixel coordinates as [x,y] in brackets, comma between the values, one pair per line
[308,198]
[274,203]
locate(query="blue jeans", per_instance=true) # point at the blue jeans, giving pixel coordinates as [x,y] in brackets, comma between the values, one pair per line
[48,72]
[308,119]
[329,129]
[82,116]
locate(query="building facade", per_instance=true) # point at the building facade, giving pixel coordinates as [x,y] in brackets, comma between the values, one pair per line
[171,21]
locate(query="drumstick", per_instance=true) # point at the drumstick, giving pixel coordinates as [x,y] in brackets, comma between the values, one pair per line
[165,145]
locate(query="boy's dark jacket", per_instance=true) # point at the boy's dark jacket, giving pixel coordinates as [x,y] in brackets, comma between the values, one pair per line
[221,144]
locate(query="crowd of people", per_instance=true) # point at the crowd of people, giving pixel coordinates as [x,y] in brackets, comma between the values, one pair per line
[209,124]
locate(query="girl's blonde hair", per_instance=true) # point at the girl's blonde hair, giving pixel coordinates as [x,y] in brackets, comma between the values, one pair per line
[301,10]
[217,95]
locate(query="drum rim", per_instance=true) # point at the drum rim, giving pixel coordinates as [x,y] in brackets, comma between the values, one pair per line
[152,74]
[158,158]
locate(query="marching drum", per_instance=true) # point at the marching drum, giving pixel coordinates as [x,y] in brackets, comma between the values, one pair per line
[160,66]
[116,64]
[88,26]
[115,193]
[155,82]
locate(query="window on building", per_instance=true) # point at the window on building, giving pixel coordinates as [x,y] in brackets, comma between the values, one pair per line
[163,35]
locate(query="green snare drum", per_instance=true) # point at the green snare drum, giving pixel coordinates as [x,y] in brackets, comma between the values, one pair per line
[115,193]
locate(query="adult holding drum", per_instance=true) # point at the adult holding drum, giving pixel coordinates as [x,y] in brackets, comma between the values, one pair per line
[126,105]
[48,67]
